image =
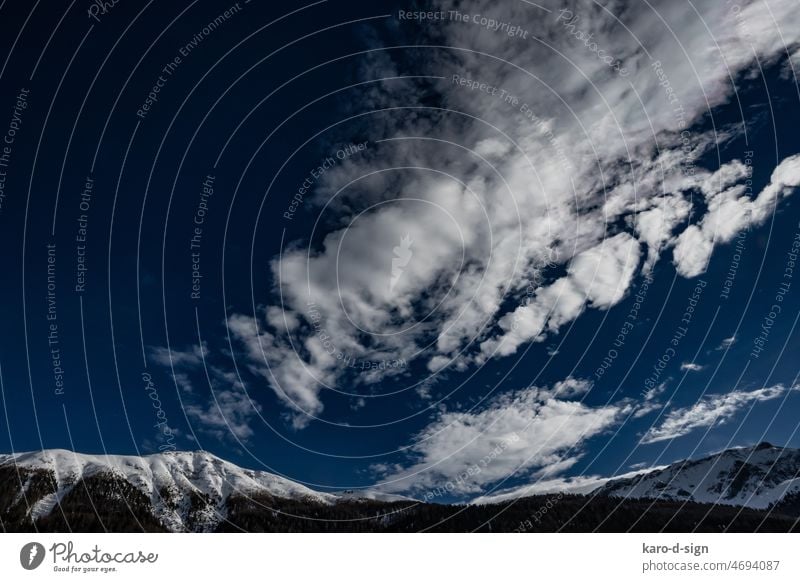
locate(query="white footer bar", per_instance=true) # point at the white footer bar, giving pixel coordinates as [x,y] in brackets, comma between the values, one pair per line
[380,557]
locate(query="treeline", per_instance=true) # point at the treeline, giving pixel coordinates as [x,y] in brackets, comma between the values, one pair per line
[567,513]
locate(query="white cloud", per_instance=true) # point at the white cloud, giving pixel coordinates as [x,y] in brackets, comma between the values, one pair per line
[492,147]
[726,343]
[784,179]
[730,212]
[593,169]
[192,356]
[727,176]
[599,276]
[295,380]
[710,410]
[530,432]
[792,66]
[227,413]
[690,367]
[656,225]
[692,252]
[604,273]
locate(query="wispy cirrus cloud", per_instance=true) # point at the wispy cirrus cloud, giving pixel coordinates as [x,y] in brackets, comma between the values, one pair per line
[710,410]
[227,413]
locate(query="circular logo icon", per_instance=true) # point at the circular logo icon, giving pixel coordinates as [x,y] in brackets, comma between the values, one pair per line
[31,555]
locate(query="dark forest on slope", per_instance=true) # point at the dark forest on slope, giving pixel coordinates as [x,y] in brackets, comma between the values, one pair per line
[105,503]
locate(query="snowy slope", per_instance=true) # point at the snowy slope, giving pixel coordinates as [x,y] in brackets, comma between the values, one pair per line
[168,479]
[753,477]
[371,495]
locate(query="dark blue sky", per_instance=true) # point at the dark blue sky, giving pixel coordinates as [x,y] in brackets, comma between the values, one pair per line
[229,114]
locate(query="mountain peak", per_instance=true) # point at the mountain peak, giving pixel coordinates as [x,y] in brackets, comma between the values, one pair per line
[764,445]
[175,483]
[758,477]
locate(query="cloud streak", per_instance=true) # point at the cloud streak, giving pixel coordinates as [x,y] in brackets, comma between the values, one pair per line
[709,411]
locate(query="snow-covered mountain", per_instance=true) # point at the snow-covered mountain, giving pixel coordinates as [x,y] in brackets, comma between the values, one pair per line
[58,490]
[185,490]
[758,477]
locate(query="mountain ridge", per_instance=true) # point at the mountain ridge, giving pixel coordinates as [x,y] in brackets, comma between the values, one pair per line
[59,490]
[761,476]
[184,488]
